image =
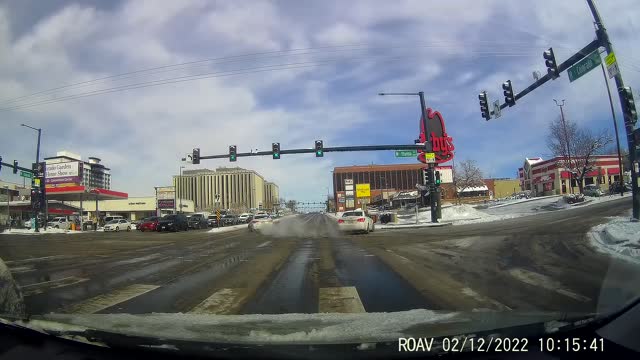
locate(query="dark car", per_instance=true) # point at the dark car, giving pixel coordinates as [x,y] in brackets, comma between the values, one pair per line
[148,224]
[229,219]
[616,188]
[173,222]
[212,221]
[197,221]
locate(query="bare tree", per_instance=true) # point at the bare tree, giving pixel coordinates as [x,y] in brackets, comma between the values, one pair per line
[576,146]
[291,205]
[466,175]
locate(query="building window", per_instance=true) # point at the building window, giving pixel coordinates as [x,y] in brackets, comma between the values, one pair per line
[588,181]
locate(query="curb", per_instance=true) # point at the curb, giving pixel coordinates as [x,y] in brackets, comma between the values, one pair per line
[387,227]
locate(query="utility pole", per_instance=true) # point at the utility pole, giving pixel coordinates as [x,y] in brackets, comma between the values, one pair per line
[615,127]
[566,141]
[603,38]
[35,211]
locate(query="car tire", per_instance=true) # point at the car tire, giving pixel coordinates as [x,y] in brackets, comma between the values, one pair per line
[117,228]
[57,227]
[141,230]
[373,227]
[128,228]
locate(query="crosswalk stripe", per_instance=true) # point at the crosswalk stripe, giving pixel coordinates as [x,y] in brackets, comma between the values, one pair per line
[223,301]
[339,300]
[104,301]
[39,288]
[545,282]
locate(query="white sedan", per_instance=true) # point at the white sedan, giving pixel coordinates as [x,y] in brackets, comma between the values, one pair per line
[117,225]
[356,221]
[260,221]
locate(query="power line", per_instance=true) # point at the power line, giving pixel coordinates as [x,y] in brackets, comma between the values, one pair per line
[227,59]
[250,70]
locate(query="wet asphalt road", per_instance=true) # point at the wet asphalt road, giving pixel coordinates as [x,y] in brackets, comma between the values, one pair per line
[304,265]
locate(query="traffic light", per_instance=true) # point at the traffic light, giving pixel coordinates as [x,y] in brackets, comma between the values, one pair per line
[550,62]
[509,97]
[35,198]
[437,178]
[0,163]
[484,105]
[275,148]
[628,105]
[319,148]
[15,166]
[232,153]
[428,176]
[196,156]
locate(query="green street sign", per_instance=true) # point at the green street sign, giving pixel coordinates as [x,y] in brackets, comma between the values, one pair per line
[585,65]
[406,153]
[26,174]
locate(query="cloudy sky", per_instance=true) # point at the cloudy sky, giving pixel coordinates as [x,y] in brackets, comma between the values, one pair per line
[141,83]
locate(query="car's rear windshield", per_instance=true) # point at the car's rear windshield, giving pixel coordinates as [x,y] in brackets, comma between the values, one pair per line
[169,217]
[261,217]
[353,213]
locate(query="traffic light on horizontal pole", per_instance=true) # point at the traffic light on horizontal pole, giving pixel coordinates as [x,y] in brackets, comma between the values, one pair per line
[319,148]
[232,153]
[15,166]
[484,105]
[509,97]
[550,62]
[275,149]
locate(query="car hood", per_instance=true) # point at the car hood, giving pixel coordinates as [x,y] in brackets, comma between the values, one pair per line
[321,328]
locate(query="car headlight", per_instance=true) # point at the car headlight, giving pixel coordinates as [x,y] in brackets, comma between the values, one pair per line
[169,224]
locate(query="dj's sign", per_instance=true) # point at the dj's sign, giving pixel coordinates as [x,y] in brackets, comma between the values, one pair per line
[441,142]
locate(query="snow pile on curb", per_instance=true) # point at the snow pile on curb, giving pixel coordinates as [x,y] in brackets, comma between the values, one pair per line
[619,237]
[42,231]
[228,228]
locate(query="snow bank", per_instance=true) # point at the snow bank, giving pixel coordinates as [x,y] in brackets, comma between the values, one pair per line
[457,215]
[11,301]
[619,237]
[42,231]
[228,228]
[280,328]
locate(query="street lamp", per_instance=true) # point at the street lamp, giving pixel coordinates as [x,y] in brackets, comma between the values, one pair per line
[157,209]
[566,140]
[35,212]
[180,179]
[433,192]
[6,188]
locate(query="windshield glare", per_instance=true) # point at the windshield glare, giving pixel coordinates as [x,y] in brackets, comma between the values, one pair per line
[318,172]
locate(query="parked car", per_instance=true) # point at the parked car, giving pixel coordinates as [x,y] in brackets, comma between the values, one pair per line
[112,217]
[592,190]
[173,222]
[117,225]
[616,188]
[148,224]
[229,220]
[197,221]
[60,222]
[573,198]
[212,221]
[260,221]
[244,218]
[356,221]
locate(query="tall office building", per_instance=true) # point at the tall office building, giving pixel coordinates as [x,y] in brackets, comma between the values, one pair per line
[271,195]
[226,188]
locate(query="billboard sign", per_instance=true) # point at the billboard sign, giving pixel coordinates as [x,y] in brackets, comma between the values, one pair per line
[440,142]
[166,203]
[63,174]
[348,181]
[363,190]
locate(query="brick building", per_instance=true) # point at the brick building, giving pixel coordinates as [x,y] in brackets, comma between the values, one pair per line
[548,177]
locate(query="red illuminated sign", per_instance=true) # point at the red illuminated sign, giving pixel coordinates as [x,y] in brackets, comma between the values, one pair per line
[441,142]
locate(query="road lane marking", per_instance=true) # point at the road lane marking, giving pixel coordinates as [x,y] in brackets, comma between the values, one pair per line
[343,299]
[545,282]
[561,220]
[222,301]
[398,255]
[469,292]
[44,258]
[39,288]
[21,269]
[264,244]
[104,301]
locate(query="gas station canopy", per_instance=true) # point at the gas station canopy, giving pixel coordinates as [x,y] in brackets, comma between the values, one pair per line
[79,193]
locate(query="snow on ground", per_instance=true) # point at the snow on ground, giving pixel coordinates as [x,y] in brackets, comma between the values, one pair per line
[228,228]
[42,231]
[501,203]
[280,328]
[455,214]
[619,237]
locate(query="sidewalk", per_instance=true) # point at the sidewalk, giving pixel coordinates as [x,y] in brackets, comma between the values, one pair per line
[521,201]
[619,237]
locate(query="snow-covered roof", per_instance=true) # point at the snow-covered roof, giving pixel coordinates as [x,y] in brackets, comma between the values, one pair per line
[533,160]
[474,188]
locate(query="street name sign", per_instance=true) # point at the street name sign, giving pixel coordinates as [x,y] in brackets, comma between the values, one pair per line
[406,153]
[585,65]
[26,174]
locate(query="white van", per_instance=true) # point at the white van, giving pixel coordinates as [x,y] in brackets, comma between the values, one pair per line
[60,222]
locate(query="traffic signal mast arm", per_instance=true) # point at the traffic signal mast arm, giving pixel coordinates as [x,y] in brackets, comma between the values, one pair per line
[326,149]
[595,44]
[18,168]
